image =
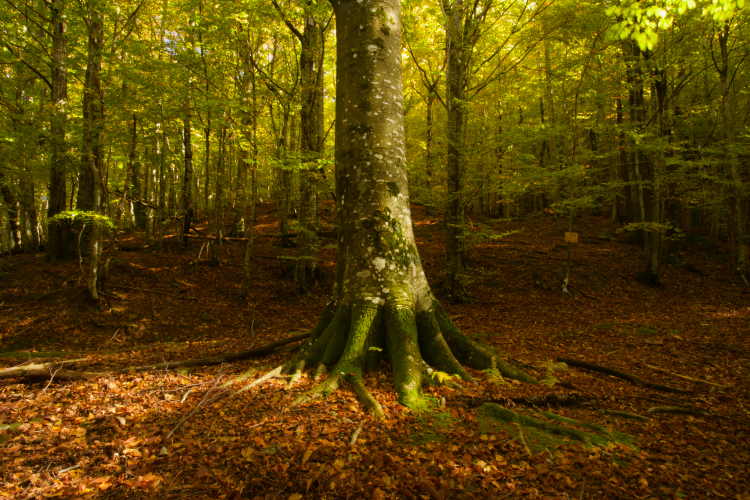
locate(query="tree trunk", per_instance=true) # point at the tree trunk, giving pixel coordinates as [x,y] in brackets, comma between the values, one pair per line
[311,138]
[741,267]
[13,208]
[93,118]
[455,259]
[381,303]
[187,193]
[59,237]
[26,185]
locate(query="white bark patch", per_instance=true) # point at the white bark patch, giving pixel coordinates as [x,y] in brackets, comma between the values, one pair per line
[379,263]
[372,48]
[363,274]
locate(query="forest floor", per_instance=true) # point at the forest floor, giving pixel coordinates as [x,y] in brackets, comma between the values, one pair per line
[106,437]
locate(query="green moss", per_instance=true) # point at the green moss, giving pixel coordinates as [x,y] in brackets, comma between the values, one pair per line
[550,431]
[432,423]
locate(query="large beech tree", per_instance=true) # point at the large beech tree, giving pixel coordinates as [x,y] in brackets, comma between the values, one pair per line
[381,304]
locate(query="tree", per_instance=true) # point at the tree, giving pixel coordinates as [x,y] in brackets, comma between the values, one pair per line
[381,303]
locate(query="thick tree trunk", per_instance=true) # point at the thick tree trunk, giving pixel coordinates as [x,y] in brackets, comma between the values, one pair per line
[59,236]
[381,303]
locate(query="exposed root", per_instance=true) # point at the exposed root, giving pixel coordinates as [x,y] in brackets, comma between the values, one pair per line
[351,340]
[320,371]
[296,374]
[366,399]
[273,373]
[325,388]
[244,375]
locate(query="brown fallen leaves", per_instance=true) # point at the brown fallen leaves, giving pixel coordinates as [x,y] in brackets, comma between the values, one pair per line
[105,438]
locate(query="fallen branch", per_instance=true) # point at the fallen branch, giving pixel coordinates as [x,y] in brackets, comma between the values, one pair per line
[46,369]
[540,400]
[624,414]
[152,291]
[355,436]
[215,238]
[685,377]
[679,410]
[202,402]
[625,376]
[222,358]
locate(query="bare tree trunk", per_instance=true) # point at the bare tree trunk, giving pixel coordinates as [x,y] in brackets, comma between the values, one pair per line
[59,236]
[187,193]
[93,120]
[741,267]
[311,137]
[455,259]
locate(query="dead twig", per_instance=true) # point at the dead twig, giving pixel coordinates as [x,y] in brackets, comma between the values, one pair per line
[153,291]
[355,436]
[685,377]
[624,376]
[203,401]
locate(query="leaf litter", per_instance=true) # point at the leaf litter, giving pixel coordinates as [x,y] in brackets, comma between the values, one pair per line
[107,437]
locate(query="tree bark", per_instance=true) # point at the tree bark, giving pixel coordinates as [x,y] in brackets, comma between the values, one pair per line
[59,236]
[91,184]
[741,266]
[311,138]
[187,193]
[381,303]
[455,258]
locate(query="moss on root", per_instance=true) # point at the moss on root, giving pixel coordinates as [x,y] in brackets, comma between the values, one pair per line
[351,340]
[551,430]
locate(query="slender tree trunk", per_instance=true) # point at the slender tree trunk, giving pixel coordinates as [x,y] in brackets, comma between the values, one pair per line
[93,118]
[741,266]
[13,208]
[187,193]
[26,187]
[162,148]
[59,237]
[455,259]
[311,138]
[251,120]
[429,154]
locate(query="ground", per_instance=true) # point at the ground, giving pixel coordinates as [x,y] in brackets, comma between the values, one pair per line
[106,438]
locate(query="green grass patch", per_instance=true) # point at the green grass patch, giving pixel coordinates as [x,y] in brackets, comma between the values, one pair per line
[605,326]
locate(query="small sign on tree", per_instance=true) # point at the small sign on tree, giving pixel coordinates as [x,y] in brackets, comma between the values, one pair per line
[571,237]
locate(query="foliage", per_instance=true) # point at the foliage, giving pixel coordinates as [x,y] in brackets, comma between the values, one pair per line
[83,217]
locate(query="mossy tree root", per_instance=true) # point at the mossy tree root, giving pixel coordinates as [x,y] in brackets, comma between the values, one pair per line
[350,340]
